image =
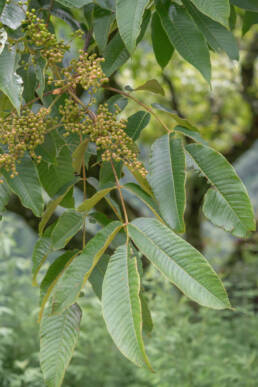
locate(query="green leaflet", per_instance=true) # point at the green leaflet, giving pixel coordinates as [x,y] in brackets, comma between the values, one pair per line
[88,204]
[167,179]
[191,134]
[153,86]
[144,197]
[218,10]
[218,36]
[74,3]
[41,250]
[236,208]
[250,18]
[185,36]
[4,196]
[122,306]
[68,224]
[181,263]
[102,21]
[97,276]
[58,338]
[26,185]
[162,47]
[10,81]
[250,5]
[142,181]
[77,273]
[136,123]
[78,156]
[129,16]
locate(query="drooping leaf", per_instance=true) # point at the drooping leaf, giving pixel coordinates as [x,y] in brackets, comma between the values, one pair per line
[58,338]
[250,5]
[129,16]
[41,250]
[106,174]
[181,121]
[237,209]
[250,18]
[26,186]
[78,155]
[162,47]
[152,85]
[136,123]
[97,276]
[218,36]
[4,196]
[74,3]
[167,179]
[29,82]
[191,134]
[181,263]
[13,13]
[10,81]
[220,213]
[68,224]
[88,204]
[144,197]
[147,323]
[185,36]
[77,273]
[102,21]
[217,10]
[142,181]
[122,306]
[115,55]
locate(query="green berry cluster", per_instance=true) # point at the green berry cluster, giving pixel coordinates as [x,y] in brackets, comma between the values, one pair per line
[106,131]
[20,134]
[86,71]
[37,34]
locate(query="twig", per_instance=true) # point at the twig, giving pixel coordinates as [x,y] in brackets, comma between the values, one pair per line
[90,113]
[120,193]
[146,107]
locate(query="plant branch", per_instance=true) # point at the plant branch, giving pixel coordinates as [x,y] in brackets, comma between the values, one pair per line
[120,193]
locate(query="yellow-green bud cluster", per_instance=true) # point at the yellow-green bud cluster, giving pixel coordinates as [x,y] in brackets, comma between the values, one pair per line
[20,134]
[106,131]
[37,34]
[86,71]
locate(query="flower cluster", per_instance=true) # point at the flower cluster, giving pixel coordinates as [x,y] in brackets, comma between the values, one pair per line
[105,130]
[19,134]
[37,34]
[86,71]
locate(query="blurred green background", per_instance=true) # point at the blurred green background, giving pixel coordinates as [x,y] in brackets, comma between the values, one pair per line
[189,346]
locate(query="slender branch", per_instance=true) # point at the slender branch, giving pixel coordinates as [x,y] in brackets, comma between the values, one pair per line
[146,107]
[90,113]
[51,5]
[120,193]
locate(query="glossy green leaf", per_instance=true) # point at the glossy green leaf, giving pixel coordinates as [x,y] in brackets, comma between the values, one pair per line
[250,18]
[181,121]
[29,82]
[167,179]
[144,197]
[78,155]
[115,55]
[180,263]
[236,207]
[97,276]
[58,338]
[78,272]
[74,3]
[122,306]
[41,251]
[129,16]
[136,123]
[185,36]
[218,36]
[152,85]
[68,224]
[13,13]
[26,185]
[102,21]
[191,134]
[250,5]
[10,82]
[162,47]
[218,10]
[88,204]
